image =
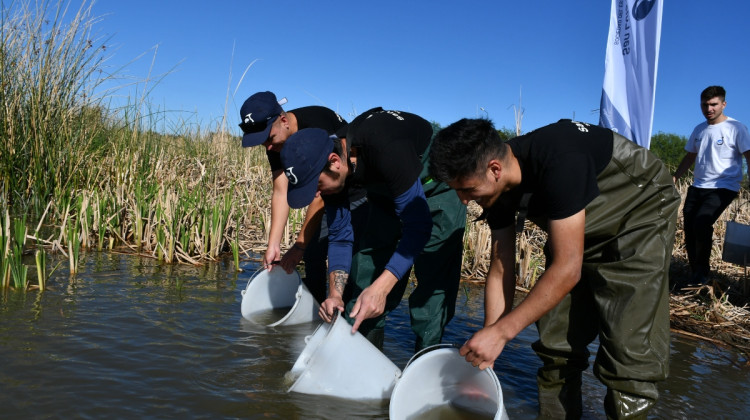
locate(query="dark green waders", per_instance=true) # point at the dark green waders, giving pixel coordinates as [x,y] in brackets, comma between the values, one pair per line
[437,269]
[623,295]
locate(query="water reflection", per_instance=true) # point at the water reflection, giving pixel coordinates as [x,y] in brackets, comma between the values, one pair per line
[131,338]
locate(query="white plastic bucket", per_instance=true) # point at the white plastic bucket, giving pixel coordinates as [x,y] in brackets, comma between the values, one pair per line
[439,378]
[274,290]
[737,244]
[340,364]
[311,344]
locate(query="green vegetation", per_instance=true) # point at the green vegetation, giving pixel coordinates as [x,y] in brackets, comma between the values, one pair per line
[505,133]
[670,148]
[94,177]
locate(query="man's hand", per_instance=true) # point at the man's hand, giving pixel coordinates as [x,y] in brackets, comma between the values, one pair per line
[337,280]
[292,257]
[272,254]
[371,302]
[484,347]
[328,308]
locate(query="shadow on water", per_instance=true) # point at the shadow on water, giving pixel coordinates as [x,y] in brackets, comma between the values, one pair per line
[131,338]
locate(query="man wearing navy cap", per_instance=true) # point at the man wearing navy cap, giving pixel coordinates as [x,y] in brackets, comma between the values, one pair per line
[265,123]
[412,220]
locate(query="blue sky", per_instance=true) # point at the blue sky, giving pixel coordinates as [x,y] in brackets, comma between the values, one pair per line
[442,60]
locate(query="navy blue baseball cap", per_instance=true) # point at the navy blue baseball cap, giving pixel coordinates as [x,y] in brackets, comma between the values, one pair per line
[304,156]
[258,114]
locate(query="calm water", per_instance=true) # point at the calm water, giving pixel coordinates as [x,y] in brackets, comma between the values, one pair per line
[130,338]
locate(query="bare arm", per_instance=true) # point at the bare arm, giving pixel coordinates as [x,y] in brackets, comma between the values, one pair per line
[685,164]
[336,283]
[279,217]
[564,272]
[500,285]
[313,217]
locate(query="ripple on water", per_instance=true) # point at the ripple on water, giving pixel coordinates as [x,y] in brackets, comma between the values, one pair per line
[131,338]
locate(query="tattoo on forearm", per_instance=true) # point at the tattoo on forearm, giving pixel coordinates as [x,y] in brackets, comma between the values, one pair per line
[340,277]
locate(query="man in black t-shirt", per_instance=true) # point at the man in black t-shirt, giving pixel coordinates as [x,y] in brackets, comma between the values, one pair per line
[390,148]
[609,207]
[265,123]
[412,220]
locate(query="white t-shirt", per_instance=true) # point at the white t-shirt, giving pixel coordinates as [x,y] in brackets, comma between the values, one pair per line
[719,148]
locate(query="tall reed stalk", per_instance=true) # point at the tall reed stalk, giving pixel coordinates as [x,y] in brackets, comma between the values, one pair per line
[49,116]
[74,246]
[41,268]
[18,269]
[5,250]
[235,244]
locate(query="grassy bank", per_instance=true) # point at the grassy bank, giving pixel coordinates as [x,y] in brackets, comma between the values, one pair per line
[77,174]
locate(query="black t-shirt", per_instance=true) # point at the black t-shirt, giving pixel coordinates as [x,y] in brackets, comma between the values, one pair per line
[559,164]
[389,146]
[309,117]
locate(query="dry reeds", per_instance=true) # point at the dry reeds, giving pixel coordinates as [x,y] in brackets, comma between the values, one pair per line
[717,311]
[187,197]
[48,71]
[706,312]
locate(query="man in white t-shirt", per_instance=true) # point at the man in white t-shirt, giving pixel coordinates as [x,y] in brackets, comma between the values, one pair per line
[716,147]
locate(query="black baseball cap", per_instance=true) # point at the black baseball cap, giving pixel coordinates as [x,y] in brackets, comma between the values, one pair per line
[304,156]
[258,114]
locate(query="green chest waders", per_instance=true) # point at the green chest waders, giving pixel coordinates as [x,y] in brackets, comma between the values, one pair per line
[622,297]
[437,268]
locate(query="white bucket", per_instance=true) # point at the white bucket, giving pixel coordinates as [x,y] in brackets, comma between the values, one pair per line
[439,378]
[311,344]
[737,244]
[340,364]
[276,289]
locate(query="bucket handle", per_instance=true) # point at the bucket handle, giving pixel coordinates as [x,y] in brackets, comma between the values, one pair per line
[252,277]
[429,349]
[335,316]
[257,272]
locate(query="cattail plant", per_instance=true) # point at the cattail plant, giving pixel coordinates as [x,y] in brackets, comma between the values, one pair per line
[40,257]
[5,250]
[74,246]
[18,270]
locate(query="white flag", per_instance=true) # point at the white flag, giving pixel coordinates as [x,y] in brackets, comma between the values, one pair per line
[629,89]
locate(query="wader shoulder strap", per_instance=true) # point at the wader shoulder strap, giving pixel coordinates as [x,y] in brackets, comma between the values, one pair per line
[523,209]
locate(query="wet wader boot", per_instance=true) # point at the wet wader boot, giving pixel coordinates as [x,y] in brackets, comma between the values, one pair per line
[622,295]
[564,356]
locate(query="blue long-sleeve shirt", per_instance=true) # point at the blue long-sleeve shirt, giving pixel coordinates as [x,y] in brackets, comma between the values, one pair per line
[416,221]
